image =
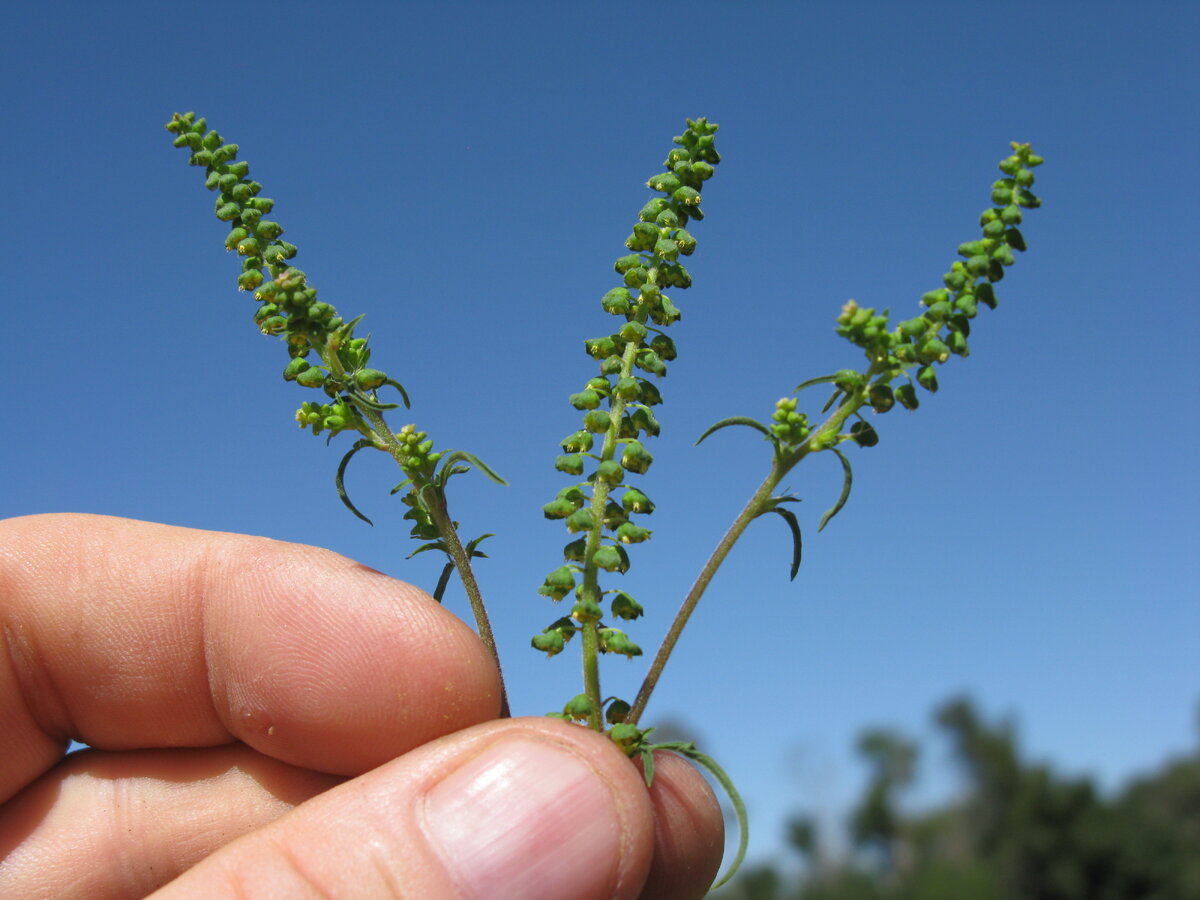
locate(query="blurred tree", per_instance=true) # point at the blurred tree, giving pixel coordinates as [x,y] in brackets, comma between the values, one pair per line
[1020,831]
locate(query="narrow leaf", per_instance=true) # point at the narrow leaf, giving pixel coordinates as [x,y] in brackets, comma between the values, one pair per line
[648,765]
[340,479]
[824,379]
[432,545]
[847,481]
[790,517]
[443,581]
[403,393]
[474,460]
[739,807]
[737,420]
[362,399]
[471,545]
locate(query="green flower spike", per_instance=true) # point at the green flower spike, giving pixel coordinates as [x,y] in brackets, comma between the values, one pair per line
[290,310]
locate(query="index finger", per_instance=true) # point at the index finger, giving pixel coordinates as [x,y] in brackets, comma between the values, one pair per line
[125,634]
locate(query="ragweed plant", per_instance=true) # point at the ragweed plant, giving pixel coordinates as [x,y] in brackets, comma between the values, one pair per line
[604,513]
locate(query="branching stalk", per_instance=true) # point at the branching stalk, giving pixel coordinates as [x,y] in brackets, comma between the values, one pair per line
[780,467]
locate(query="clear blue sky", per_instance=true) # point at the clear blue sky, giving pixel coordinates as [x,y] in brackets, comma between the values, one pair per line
[465,173]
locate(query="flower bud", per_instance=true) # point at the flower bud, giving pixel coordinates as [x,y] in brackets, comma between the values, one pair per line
[1002,192]
[571,464]
[248,281]
[228,211]
[558,583]
[574,551]
[628,737]
[612,365]
[587,399]
[958,344]
[613,640]
[1011,215]
[927,378]
[615,714]
[627,388]
[558,509]
[688,196]
[579,708]
[881,397]
[294,368]
[979,265]
[667,249]
[653,209]
[633,331]
[369,379]
[596,421]
[647,360]
[273,325]
[1015,239]
[938,312]
[580,520]
[651,395]
[864,434]
[628,533]
[635,501]
[941,294]
[933,350]
[617,301]
[625,607]
[599,348]
[668,218]
[667,182]
[609,559]
[636,277]
[1003,255]
[956,278]
[610,472]
[636,458]
[549,642]
[235,237]
[310,378]
[906,396]
[579,442]
[625,263]
[613,515]
[966,305]
[585,611]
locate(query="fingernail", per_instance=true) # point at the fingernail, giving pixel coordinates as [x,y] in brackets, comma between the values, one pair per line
[525,819]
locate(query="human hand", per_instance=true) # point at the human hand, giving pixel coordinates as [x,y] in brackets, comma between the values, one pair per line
[274,720]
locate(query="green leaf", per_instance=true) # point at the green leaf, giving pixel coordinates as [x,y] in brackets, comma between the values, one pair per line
[824,379]
[738,420]
[688,749]
[341,474]
[457,455]
[362,399]
[432,545]
[790,517]
[471,545]
[847,481]
[443,581]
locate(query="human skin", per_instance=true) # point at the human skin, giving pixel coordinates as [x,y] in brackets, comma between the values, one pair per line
[275,720]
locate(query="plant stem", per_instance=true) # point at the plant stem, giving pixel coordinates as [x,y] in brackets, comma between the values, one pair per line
[748,513]
[591,586]
[462,562]
[780,466]
[458,553]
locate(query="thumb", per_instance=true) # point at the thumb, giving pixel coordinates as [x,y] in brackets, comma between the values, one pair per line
[520,808]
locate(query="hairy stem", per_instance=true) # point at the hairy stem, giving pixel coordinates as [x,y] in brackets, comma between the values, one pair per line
[780,466]
[458,553]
